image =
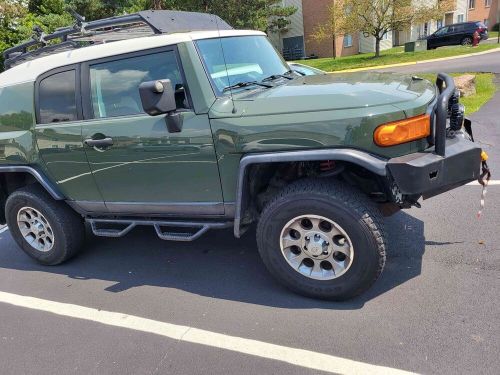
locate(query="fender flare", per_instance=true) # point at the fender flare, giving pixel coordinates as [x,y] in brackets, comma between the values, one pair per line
[366,160]
[39,176]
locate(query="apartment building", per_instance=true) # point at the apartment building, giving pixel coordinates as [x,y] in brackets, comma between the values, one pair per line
[459,14]
[486,11]
[291,42]
[297,42]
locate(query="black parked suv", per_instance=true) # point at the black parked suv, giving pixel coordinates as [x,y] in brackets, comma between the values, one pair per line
[458,33]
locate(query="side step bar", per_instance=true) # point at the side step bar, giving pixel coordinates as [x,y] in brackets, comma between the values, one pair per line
[121,227]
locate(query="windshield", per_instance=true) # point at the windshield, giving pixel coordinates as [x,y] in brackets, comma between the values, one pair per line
[245,59]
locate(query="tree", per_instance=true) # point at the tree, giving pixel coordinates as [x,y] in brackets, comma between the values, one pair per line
[337,24]
[265,15]
[378,17]
[18,17]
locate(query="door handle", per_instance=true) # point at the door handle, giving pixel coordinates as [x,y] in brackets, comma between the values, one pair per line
[105,142]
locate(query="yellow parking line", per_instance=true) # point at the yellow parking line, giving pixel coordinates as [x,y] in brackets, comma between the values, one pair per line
[298,357]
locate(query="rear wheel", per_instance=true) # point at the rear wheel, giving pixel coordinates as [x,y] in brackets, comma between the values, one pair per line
[45,229]
[323,239]
[467,41]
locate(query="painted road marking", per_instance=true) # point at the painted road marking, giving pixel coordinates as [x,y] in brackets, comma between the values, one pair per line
[491,183]
[5,229]
[294,356]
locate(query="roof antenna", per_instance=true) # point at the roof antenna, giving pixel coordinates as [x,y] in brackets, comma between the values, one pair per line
[225,63]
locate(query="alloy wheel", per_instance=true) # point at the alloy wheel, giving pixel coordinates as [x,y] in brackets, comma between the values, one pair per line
[316,247]
[35,229]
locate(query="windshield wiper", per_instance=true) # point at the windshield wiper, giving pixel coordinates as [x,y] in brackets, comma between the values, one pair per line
[285,75]
[246,84]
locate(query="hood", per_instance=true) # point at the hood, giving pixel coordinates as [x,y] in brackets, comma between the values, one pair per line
[336,92]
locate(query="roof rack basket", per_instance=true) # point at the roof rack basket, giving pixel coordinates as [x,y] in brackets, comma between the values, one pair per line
[148,22]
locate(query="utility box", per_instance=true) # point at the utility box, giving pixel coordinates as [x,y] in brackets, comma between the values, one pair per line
[419,45]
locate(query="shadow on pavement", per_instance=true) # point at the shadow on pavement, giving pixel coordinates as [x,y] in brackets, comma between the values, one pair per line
[217,265]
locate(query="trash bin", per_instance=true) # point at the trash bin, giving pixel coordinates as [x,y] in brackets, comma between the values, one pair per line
[419,45]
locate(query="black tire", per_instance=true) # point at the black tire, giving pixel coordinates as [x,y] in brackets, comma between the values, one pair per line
[350,209]
[467,41]
[67,226]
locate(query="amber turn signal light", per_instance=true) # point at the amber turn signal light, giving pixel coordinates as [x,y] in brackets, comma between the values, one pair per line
[397,132]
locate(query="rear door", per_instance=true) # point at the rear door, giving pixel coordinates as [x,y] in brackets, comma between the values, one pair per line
[148,170]
[458,34]
[59,134]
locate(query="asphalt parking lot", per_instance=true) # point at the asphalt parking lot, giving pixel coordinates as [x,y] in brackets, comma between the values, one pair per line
[210,307]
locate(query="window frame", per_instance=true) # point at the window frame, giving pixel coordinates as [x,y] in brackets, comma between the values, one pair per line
[487,3]
[472,4]
[87,107]
[78,97]
[346,38]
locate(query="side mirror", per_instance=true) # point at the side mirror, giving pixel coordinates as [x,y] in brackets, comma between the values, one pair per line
[158,98]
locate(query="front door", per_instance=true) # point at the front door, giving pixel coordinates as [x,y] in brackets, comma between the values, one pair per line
[144,169]
[439,37]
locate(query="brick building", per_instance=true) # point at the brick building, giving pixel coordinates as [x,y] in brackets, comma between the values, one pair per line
[315,12]
[483,10]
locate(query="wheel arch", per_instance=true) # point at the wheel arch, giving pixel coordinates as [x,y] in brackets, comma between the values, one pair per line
[13,177]
[372,163]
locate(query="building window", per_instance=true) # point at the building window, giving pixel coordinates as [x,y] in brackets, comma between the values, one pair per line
[472,4]
[487,3]
[426,28]
[347,40]
[460,18]
[486,22]
[439,24]
[385,36]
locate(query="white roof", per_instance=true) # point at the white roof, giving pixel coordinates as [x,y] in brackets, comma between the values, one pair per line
[30,70]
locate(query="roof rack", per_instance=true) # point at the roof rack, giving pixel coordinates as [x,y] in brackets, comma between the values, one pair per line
[82,34]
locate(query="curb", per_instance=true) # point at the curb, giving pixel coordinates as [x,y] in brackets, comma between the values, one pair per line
[415,62]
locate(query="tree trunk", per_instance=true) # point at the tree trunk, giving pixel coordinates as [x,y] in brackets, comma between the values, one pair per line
[334,45]
[377,46]
[157,4]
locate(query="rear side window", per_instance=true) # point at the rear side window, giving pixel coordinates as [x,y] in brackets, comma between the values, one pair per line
[16,107]
[57,98]
[115,84]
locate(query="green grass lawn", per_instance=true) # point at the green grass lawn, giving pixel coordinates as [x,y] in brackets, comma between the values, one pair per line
[391,56]
[485,89]
[493,34]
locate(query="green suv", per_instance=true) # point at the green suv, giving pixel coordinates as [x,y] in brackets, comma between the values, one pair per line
[201,127]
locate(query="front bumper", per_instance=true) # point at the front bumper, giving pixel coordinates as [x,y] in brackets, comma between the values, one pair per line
[454,159]
[428,174]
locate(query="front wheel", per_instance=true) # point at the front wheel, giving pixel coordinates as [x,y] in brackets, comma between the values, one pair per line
[323,239]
